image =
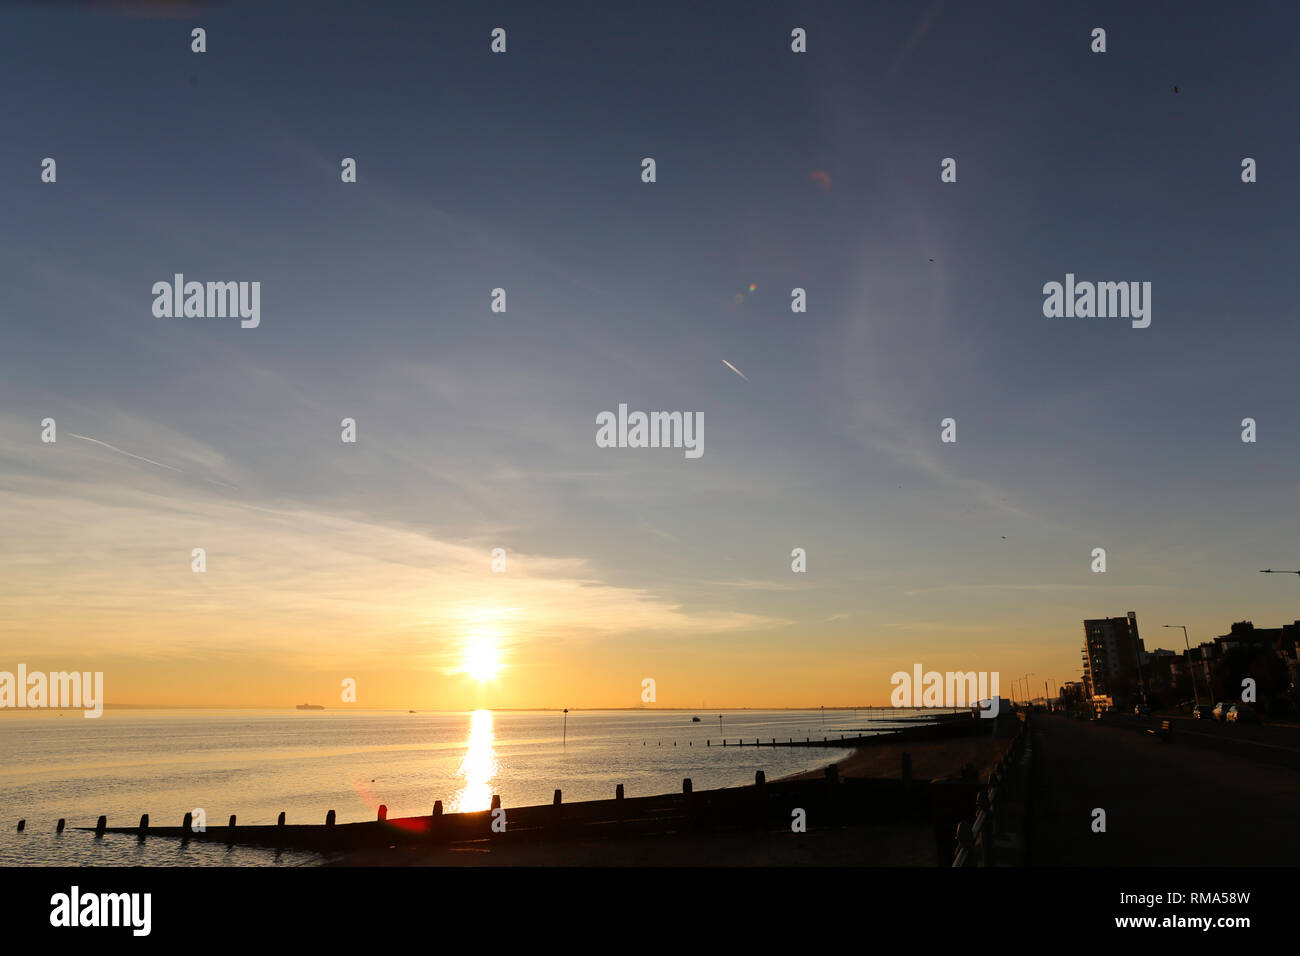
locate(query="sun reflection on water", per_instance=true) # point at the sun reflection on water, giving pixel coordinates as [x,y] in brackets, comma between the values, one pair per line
[478,767]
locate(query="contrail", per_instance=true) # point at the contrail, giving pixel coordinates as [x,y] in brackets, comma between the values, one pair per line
[122,451]
[736,370]
[127,453]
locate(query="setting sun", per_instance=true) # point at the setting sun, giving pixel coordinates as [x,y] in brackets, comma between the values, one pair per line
[482,659]
[481,646]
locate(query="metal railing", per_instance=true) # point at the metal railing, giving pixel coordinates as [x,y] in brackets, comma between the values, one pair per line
[976,844]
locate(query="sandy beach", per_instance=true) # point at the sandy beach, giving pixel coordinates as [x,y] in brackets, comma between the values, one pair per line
[931,759]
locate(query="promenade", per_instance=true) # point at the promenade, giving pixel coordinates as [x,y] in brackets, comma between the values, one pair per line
[1168,802]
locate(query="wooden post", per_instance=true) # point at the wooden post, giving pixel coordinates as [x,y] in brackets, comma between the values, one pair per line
[758,805]
[186,824]
[557,810]
[438,830]
[61,824]
[230,830]
[492,834]
[329,819]
[22,825]
[280,820]
[144,825]
[988,830]
[100,824]
[686,786]
[618,792]
[383,812]
[964,841]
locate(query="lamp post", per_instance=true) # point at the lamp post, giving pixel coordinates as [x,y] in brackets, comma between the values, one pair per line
[1027,676]
[1195,689]
[565,739]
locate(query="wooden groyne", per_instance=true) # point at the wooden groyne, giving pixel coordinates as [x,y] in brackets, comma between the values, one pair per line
[830,801]
[948,725]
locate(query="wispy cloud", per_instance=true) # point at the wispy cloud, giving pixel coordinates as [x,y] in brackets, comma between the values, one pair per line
[1045,588]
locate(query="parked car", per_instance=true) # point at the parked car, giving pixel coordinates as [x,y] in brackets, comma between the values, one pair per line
[1220,711]
[1203,712]
[1242,714]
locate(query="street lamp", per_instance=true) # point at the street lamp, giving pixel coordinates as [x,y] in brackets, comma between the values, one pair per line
[1027,697]
[1195,689]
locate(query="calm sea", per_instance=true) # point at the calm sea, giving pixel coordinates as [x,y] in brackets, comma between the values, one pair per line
[257,763]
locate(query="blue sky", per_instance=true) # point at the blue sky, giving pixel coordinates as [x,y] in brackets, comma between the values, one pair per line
[476,430]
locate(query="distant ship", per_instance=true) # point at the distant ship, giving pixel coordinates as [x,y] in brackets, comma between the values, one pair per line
[695,720]
[310,707]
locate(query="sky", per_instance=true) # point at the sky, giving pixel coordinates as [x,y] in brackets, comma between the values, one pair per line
[372,561]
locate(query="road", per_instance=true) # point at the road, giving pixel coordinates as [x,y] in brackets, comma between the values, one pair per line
[1165,804]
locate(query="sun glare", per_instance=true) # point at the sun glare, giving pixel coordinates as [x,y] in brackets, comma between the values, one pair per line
[482,643]
[478,767]
[482,658]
